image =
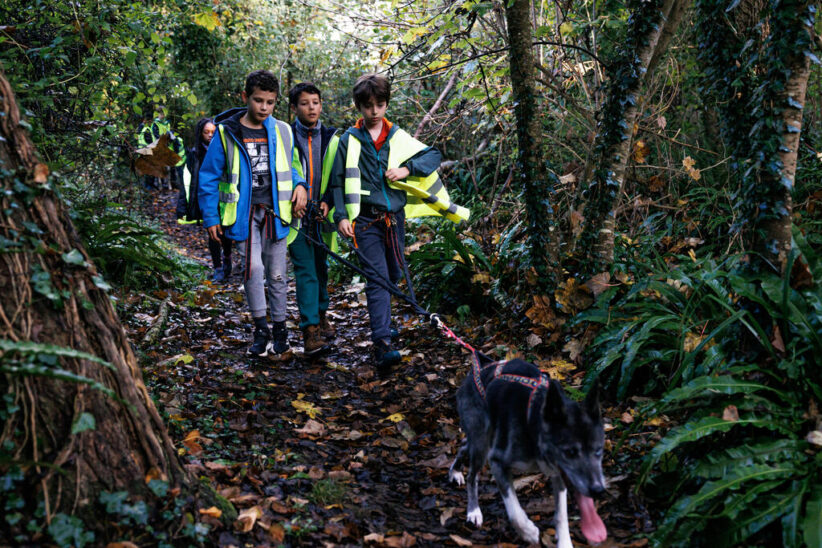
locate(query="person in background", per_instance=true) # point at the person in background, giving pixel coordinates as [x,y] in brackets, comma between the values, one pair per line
[188,207]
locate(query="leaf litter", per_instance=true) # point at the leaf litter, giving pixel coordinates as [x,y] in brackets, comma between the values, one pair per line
[327,452]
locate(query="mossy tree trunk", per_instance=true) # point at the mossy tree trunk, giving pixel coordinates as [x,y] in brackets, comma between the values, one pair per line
[531,170]
[653,23]
[57,324]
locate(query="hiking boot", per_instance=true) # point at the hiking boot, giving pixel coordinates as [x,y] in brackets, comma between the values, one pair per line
[384,355]
[262,338]
[219,275]
[313,341]
[279,341]
[327,329]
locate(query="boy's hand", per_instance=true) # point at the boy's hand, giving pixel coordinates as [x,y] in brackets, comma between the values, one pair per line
[324,209]
[397,173]
[345,228]
[214,232]
[299,198]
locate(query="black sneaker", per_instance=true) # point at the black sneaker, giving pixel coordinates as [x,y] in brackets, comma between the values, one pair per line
[384,355]
[260,346]
[279,340]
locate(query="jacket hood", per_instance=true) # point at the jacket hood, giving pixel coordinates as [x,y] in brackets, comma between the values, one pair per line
[231,119]
[200,146]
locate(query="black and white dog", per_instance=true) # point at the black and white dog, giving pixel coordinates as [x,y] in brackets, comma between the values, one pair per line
[516,418]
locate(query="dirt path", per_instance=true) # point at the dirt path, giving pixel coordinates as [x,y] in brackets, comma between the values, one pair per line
[325,452]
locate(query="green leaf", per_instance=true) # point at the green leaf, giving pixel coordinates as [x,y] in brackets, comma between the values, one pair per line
[812,520]
[84,422]
[74,257]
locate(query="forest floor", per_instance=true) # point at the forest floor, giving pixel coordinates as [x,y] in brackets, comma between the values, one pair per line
[324,452]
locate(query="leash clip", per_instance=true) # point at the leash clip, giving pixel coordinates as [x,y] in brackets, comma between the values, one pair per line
[436,321]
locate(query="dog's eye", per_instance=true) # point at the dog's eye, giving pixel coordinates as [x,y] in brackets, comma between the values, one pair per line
[571,453]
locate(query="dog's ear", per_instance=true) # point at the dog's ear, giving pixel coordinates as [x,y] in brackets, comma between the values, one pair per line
[591,404]
[554,408]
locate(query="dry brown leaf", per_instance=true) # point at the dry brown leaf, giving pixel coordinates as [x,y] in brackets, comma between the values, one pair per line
[405,541]
[598,283]
[277,532]
[123,544]
[730,414]
[447,513]
[154,158]
[776,340]
[461,541]
[155,473]
[661,122]
[247,518]
[374,537]
[627,418]
[311,428]
[641,151]
[577,221]
[688,163]
[214,512]
[656,183]
[574,349]
[41,173]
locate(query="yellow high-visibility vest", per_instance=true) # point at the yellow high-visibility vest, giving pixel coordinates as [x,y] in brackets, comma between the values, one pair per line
[426,195]
[229,192]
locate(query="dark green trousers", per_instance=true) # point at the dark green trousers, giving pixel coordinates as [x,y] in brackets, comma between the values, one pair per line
[311,271]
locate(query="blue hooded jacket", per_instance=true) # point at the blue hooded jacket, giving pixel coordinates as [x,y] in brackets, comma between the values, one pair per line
[213,167]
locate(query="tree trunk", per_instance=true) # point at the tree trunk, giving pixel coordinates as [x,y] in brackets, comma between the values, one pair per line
[51,298]
[650,21]
[774,238]
[531,170]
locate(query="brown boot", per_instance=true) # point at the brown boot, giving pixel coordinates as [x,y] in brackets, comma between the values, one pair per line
[326,328]
[313,341]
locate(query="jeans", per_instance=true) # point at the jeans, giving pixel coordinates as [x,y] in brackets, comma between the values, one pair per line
[265,266]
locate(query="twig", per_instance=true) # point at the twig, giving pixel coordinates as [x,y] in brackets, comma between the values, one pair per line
[158,323]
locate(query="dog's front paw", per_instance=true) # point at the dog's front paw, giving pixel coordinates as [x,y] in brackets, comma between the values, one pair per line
[529,532]
[456,477]
[475,517]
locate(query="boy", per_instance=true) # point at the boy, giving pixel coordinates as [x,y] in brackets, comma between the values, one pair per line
[380,175]
[248,186]
[316,145]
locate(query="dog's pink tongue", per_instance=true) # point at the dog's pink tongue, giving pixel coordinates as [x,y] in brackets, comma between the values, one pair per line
[592,526]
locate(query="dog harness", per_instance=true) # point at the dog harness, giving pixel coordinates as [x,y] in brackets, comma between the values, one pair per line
[530,382]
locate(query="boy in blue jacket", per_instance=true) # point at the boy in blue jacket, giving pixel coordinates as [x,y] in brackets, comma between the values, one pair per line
[381,174]
[250,189]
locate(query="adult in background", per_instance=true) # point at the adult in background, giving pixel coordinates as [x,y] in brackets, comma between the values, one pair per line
[188,206]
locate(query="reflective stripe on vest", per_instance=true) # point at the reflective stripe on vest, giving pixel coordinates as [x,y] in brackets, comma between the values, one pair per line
[353,183]
[228,186]
[426,195]
[282,163]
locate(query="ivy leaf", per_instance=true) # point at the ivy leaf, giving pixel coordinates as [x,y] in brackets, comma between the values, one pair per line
[83,423]
[74,257]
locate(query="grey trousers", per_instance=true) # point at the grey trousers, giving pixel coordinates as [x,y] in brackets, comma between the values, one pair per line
[265,263]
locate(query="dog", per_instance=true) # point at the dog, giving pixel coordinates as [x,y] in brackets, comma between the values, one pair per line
[515,418]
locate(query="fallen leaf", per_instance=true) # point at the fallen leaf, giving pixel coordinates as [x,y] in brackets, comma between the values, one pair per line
[688,163]
[311,428]
[730,414]
[777,341]
[627,418]
[461,541]
[573,348]
[814,437]
[598,283]
[656,183]
[247,518]
[446,514]
[305,407]
[214,512]
[396,417]
[533,340]
[41,173]
[155,473]
[277,532]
